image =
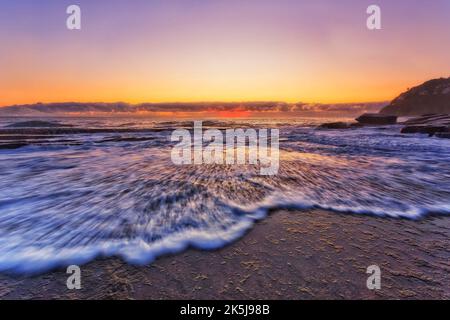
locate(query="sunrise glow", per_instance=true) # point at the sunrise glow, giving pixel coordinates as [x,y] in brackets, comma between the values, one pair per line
[189,50]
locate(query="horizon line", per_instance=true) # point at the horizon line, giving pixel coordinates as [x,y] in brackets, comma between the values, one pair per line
[194,102]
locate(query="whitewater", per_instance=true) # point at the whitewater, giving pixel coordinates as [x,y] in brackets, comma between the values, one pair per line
[119,194]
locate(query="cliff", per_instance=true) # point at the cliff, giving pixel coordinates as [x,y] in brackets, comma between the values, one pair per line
[430,97]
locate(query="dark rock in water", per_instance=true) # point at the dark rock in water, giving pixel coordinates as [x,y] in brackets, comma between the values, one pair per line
[14,145]
[340,125]
[23,137]
[126,139]
[37,124]
[60,131]
[334,125]
[356,125]
[378,119]
[430,124]
[430,97]
[430,119]
[427,129]
[445,135]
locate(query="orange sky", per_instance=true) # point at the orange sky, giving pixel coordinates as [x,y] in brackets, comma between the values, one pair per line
[191,50]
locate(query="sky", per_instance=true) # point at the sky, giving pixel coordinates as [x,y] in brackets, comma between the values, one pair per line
[219,50]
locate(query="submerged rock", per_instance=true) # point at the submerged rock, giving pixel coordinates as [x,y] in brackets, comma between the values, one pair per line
[445,135]
[356,125]
[430,124]
[126,139]
[38,124]
[428,119]
[427,129]
[74,130]
[378,119]
[14,145]
[334,125]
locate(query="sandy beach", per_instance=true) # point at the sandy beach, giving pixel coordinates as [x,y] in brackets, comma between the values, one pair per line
[290,255]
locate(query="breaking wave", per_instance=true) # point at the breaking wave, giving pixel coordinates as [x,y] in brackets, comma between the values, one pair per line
[109,196]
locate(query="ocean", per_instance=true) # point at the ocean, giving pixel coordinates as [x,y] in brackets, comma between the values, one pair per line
[70,198]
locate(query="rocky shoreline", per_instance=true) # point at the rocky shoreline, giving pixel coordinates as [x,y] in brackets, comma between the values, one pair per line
[427,107]
[432,124]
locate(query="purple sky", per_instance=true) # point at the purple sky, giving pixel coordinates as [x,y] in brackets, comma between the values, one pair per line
[233,50]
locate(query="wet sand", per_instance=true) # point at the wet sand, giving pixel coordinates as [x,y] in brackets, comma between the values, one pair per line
[289,255]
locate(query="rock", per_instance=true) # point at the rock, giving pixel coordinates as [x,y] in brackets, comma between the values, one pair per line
[445,135]
[430,124]
[37,124]
[334,125]
[427,129]
[435,119]
[430,97]
[23,137]
[14,145]
[376,118]
[126,139]
[74,130]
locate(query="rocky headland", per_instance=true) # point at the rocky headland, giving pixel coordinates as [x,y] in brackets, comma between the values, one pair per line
[426,109]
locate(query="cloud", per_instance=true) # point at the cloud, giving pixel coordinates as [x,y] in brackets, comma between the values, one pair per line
[122,108]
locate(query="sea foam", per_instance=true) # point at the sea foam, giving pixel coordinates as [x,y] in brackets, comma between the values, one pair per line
[103,197]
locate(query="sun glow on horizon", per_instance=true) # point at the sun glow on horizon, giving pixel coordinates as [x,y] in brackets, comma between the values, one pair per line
[230,51]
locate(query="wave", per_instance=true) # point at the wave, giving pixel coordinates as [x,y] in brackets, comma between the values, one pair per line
[35,260]
[70,204]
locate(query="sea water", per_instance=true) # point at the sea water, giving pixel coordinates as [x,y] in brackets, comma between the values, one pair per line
[119,194]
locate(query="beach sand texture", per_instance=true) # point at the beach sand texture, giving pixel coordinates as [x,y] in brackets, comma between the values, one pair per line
[290,255]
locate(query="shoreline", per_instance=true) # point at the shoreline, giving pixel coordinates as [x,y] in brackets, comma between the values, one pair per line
[313,254]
